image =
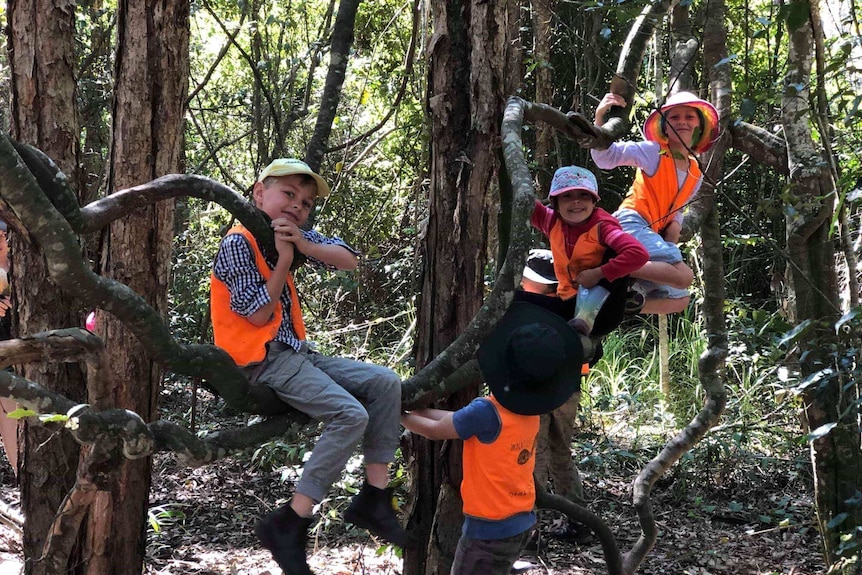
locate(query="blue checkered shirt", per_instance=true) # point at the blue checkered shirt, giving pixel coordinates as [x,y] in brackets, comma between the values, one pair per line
[235,266]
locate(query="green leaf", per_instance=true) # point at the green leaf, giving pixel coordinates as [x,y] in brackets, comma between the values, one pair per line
[21,413]
[53,417]
[837,520]
[794,333]
[727,60]
[849,316]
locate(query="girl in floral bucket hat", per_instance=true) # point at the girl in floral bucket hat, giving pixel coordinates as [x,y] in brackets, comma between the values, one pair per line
[667,179]
[592,255]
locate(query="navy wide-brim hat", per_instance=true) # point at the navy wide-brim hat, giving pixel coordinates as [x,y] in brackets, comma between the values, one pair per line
[532,360]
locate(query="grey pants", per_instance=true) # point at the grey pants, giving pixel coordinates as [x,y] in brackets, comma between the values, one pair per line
[358,402]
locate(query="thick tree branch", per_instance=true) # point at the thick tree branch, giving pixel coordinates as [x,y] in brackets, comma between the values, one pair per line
[632,55]
[53,182]
[62,345]
[762,145]
[20,190]
[575,512]
[136,438]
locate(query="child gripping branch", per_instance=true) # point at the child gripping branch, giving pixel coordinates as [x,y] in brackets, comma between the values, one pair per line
[668,178]
[257,320]
[531,362]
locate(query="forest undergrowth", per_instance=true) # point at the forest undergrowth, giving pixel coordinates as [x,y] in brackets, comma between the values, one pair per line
[740,502]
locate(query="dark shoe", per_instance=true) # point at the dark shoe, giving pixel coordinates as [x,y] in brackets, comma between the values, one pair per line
[372,509]
[580,326]
[285,534]
[635,300]
[571,531]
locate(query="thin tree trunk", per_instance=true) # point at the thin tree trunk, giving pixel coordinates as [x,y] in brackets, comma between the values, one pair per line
[41,42]
[664,356]
[339,56]
[543,14]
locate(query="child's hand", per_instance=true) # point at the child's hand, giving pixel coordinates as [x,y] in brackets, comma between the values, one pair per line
[287,231]
[605,104]
[5,304]
[589,278]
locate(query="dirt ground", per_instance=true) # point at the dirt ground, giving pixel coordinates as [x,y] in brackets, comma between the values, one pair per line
[205,517]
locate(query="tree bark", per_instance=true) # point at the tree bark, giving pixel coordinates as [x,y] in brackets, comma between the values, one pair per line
[543,15]
[151,71]
[474,56]
[41,41]
[835,443]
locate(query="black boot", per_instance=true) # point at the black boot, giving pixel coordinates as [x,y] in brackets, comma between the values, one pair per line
[285,534]
[372,509]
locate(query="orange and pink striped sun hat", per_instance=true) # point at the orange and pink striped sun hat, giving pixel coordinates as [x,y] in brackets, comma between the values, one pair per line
[709,127]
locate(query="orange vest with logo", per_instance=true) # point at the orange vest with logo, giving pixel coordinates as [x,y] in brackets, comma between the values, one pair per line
[658,198]
[244,341]
[498,477]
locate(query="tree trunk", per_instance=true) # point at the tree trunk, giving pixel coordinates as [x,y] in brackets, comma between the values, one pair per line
[151,71]
[835,454]
[474,62]
[41,48]
[543,14]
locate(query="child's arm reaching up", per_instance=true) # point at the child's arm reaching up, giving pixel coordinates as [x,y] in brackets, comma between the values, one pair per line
[605,104]
[434,424]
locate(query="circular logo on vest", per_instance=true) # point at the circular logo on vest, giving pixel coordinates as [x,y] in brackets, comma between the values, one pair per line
[524,456]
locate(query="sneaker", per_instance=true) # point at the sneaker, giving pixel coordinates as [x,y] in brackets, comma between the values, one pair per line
[372,509]
[285,534]
[635,300]
[571,531]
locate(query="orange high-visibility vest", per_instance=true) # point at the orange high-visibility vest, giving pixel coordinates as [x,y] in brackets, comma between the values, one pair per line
[658,197]
[586,254]
[244,341]
[498,476]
